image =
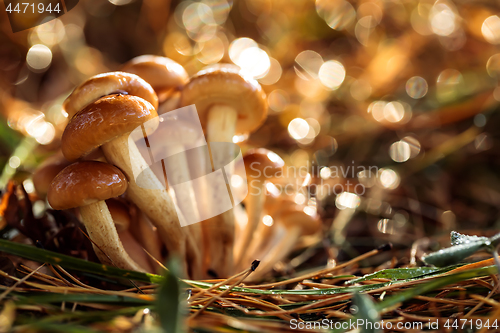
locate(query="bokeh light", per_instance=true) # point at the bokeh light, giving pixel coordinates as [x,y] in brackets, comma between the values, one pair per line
[338,14]
[212,51]
[298,128]
[394,112]
[400,151]
[443,19]
[332,74]
[449,83]
[386,226]
[388,178]
[39,57]
[278,100]
[347,200]
[252,60]
[493,66]
[196,15]
[268,220]
[274,73]
[308,64]
[491,29]
[416,87]
[49,34]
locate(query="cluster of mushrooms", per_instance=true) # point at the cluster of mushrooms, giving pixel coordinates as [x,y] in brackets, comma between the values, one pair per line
[93,174]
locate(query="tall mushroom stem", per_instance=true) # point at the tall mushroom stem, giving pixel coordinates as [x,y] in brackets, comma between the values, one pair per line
[274,206]
[261,165]
[221,127]
[254,204]
[152,199]
[177,170]
[102,231]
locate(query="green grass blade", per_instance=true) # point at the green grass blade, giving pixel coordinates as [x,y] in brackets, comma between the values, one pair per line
[169,302]
[57,327]
[325,291]
[47,298]
[435,284]
[366,312]
[45,256]
[396,274]
[85,317]
[428,287]
[454,254]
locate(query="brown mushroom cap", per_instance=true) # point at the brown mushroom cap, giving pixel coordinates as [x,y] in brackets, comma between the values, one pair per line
[298,218]
[224,84]
[120,214]
[263,163]
[161,73]
[84,183]
[47,171]
[102,121]
[105,84]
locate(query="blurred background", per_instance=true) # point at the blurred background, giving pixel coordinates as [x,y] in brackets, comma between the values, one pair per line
[407,89]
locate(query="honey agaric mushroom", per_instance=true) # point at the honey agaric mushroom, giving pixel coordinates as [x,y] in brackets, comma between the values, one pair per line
[163,74]
[121,218]
[87,185]
[261,165]
[296,223]
[47,171]
[274,205]
[228,104]
[106,84]
[108,122]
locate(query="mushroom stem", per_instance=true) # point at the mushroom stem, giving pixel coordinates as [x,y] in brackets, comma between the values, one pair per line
[254,204]
[177,170]
[152,198]
[102,231]
[221,127]
[259,244]
[146,235]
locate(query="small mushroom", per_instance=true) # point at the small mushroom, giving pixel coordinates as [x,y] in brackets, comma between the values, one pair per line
[292,224]
[261,165]
[87,185]
[228,104]
[163,74]
[121,217]
[47,171]
[108,122]
[274,206]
